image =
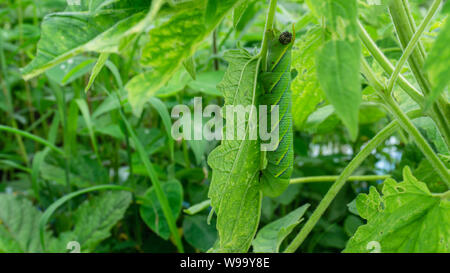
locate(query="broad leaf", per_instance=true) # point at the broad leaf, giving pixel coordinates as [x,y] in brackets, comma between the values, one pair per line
[235,191]
[151,210]
[198,233]
[270,237]
[407,218]
[95,218]
[306,91]
[338,61]
[19,225]
[91,26]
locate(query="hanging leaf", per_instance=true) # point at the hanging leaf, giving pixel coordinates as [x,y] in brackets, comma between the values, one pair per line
[235,192]
[338,61]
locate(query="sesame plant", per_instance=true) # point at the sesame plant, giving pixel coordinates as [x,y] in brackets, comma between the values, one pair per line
[357,91]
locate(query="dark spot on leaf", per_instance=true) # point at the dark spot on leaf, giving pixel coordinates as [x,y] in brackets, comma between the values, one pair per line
[285,38]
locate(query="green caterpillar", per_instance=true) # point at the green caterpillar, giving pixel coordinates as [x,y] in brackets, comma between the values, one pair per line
[276,83]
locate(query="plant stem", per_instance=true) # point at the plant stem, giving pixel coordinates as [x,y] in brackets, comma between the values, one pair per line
[267,29]
[340,182]
[407,125]
[423,145]
[405,28]
[412,44]
[32,137]
[333,178]
[214,49]
[387,66]
[434,113]
[152,174]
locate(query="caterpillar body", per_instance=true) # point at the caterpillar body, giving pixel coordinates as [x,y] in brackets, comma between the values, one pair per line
[276,85]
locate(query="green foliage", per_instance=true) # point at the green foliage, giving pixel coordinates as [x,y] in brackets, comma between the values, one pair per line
[171,44]
[338,61]
[151,211]
[91,27]
[270,237]
[95,218]
[199,233]
[437,63]
[306,91]
[112,71]
[407,218]
[19,225]
[235,191]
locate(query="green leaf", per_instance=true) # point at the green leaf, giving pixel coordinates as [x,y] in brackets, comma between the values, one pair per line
[338,72]
[206,82]
[83,170]
[338,61]
[19,225]
[437,64]
[407,218]
[170,44]
[351,224]
[84,108]
[235,192]
[96,70]
[189,65]
[432,133]
[426,173]
[70,70]
[198,233]
[67,34]
[95,218]
[270,237]
[151,211]
[238,11]
[211,12]
[306,91]
[163,112]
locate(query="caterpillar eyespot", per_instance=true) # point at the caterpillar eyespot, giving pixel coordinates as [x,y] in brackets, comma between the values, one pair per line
[285,38]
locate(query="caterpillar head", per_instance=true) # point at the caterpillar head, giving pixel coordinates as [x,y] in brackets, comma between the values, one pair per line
[285,38]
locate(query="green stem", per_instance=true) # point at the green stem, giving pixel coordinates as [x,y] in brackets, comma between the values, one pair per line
[435,113]
[340,182]
[32,137]
[423,145]
[332,178]
[267,29]
[151,172]
[405,28]
[412,44]
[9,104]
[387,66]
[407,125]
